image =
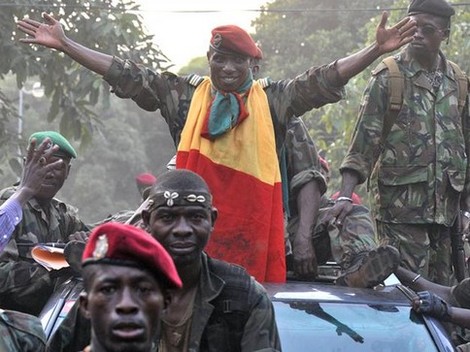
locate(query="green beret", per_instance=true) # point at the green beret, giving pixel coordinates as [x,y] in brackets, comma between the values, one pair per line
[57,139]
[439,8]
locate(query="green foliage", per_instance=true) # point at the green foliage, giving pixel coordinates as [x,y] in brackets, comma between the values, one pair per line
[197,65]
[73,90]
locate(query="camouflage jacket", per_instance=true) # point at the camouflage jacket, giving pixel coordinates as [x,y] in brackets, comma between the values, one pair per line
[302,162]
[421,169]
[172,94]
[21,332]
[24,284]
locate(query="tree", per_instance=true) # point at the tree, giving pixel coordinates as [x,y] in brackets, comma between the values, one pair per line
[114,142]
[72,89]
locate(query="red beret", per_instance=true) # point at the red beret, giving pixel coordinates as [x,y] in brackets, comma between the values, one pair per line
[120,244]
[233,39]
[145,179]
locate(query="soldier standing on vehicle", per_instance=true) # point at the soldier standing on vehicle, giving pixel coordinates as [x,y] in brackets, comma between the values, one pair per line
[230,128]
[24,284]
[416,158]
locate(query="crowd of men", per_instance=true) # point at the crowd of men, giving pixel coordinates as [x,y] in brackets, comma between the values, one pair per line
[246,203]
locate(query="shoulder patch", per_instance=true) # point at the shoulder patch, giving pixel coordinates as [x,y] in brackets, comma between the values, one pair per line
[264,82]
[195,80]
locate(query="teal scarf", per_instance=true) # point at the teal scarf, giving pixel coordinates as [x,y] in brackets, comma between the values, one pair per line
[227,110]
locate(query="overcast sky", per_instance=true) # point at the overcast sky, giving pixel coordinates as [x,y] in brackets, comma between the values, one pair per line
[182,27]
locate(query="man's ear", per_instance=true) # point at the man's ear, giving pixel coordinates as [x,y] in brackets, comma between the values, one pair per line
[446,35]
[255,70]
[166,299]
[83,301]
[145,217]
[214,215]
[68,171]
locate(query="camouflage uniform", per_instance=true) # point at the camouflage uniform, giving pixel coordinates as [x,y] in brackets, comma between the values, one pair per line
[342,244]
[25,285]
[421,170]
[21,332]
[172,95]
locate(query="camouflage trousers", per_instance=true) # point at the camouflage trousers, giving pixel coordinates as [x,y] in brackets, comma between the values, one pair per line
[424,248]
[344,243]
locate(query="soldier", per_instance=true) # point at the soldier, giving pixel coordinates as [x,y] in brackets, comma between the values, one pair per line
[221,307]
[126,275]
[315,241]
[419,167]
[35,172]
[230,128]
[24,284]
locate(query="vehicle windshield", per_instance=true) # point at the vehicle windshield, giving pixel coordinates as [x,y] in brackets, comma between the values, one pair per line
[350,327]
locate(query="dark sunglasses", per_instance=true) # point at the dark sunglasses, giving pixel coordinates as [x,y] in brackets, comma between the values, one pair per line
[429,30]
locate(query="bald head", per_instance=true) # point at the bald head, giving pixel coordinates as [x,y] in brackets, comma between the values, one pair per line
[179,188]
[180,179]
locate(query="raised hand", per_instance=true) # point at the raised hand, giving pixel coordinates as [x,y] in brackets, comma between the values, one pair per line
[49,34]
[36,167]
[390,39]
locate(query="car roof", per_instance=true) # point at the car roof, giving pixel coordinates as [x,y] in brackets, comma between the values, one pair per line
[322,292]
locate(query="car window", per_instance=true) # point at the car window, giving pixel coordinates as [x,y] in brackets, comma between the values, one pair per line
[350,327]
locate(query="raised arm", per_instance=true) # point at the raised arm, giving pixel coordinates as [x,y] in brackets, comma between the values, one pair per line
[387,40]
[51,35]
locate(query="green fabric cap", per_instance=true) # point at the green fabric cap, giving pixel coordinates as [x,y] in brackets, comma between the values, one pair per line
[56,138]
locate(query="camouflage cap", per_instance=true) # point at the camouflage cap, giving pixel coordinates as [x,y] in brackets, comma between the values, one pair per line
[439,8]
[57,139]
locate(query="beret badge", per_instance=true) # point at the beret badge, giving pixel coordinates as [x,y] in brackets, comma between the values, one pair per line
[101,247]
[217,40]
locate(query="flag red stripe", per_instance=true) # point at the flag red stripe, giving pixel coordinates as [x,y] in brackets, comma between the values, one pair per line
[251,218]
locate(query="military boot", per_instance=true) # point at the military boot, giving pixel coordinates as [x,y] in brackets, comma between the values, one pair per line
[371,268]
